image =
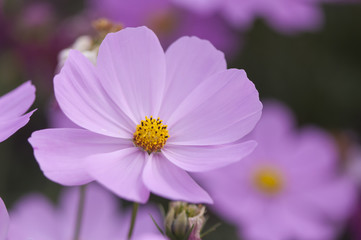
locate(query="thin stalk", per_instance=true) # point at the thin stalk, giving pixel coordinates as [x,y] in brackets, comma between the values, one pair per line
[79,216]
[132,221]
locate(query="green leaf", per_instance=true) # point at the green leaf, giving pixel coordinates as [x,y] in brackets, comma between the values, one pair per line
[156,224]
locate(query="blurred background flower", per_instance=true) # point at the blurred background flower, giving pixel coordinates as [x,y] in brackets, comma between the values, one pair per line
[4,221]
[167,20]
[35,217]
[287,16]
[301,52]
[283,189]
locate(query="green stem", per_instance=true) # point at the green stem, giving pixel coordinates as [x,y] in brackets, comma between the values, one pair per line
[213,228]
[132,223]
[79,216]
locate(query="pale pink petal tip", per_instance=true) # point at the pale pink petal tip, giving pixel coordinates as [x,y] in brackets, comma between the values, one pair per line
[12,107]
[206,158]
[167,180]
[121,172]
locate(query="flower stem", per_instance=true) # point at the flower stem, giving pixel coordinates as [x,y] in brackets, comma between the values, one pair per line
[79,216]
[132,223]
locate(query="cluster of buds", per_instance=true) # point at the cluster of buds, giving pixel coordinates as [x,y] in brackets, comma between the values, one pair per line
[184,221]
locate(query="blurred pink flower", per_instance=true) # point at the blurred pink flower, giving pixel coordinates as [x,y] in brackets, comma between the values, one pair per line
[4,221]
[288,188]
[168,21]
[287,16]
[204,106]
[12,106]
[151,236]
[35,217]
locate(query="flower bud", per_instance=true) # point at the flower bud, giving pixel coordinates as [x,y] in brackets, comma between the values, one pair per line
[89,45]
[184,221]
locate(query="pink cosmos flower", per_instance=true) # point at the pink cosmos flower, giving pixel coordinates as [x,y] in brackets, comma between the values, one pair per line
[12,106]
[35,217]
[148,117]
[4,221]
[288,188]
[287,16]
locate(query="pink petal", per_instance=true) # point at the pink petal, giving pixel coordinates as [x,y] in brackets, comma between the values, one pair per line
[61,152]
[165,179]
[314,155]
[205,158]
[189,62]
[33,217]
[317,199]
[295,17]
[151,236]
[9,126]
[101,216]
[299,223]
[82,98]
[202,7]
[277,120]
[132,66]
[16,102]
[264,230]
[121,172]
[220,110]
[4,221]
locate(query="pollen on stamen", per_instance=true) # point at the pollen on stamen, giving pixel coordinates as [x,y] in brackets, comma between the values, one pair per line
[151,135]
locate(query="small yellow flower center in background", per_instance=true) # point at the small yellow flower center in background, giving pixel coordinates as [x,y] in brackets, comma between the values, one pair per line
[163,21]
[151,135]
[268,180]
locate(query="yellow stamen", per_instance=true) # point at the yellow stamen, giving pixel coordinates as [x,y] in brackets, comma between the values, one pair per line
[151,135]
[268,180]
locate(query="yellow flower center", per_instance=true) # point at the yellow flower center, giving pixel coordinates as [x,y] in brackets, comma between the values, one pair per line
[268,180]
[151,135]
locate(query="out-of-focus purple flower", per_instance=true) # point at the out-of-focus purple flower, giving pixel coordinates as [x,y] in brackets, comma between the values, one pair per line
[287,16]
[356,221]
[37,14]
[353,162]
[13,105]
[352,157]
[33,34]
[168,21]
[4,221]
[288,188]
[204,106]
[151,236]
[35,217]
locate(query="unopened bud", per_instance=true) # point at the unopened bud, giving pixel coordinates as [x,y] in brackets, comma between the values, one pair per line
[104,26]
[184,221]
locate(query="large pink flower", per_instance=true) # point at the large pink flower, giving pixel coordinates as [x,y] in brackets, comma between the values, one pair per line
[202,107]
[4,221]
[12,107]
[288,188]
